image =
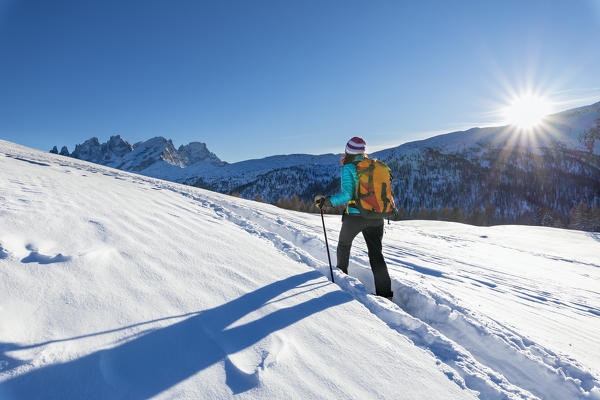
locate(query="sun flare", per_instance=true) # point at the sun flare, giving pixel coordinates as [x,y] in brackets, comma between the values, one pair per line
[527,111]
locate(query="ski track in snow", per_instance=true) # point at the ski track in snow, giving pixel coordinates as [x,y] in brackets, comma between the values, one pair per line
[477,354]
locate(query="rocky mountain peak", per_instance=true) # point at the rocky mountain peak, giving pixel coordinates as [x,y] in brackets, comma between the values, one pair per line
[196,152]
[119,153]
[118,146]
[90,150]
[150,152]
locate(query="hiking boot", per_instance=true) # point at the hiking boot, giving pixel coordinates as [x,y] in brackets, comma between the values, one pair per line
[390,296]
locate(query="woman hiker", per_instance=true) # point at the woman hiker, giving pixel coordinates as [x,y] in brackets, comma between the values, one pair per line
[353,222]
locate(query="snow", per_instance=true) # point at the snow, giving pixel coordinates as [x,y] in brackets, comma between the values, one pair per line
[116,285]
[513,310]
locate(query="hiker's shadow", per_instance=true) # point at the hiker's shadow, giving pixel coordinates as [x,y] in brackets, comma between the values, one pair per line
[155,361]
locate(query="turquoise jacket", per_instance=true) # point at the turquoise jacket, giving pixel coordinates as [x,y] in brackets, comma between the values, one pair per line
[349,182]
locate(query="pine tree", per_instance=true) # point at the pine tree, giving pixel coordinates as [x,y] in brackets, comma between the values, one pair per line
[557,223]
[294,203]
[595,219]
[421,213]
[457,214]
[477,217]
[579,217]
[490,215]
[432,214]
[547,218]
[526,218]
[445,214]
[281,203]
[403,213]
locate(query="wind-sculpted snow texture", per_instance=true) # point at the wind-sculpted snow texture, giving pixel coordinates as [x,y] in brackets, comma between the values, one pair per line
[163,289]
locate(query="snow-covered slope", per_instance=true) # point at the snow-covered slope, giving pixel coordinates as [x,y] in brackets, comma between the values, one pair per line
[115,285]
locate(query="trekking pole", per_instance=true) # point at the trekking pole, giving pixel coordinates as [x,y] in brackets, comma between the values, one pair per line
[327,245]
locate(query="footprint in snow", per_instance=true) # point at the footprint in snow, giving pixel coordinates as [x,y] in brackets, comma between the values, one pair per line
[8,363]
[238,380]
[236,365]
[3,253]
[35,256]
[100,229]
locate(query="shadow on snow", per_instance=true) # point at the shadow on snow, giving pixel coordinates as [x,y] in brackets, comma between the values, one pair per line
[36,257]
[156,360]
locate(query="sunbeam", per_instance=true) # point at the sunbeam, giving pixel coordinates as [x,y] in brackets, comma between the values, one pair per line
[527,111]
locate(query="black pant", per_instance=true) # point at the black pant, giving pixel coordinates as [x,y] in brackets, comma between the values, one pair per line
[372,230]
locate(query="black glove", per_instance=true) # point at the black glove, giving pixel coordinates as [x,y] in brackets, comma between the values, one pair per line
[322,201]
[395,216]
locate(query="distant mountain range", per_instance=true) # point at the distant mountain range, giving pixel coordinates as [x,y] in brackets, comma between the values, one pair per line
[118,153]
[510,173]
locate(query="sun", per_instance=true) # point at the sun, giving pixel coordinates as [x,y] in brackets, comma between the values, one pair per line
[527,111]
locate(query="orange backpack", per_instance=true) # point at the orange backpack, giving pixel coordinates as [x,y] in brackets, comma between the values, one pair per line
[373,194]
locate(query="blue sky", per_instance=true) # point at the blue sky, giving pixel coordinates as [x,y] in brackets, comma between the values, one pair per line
[257,78]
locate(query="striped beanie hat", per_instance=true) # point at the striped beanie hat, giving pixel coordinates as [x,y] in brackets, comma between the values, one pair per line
[356,145]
